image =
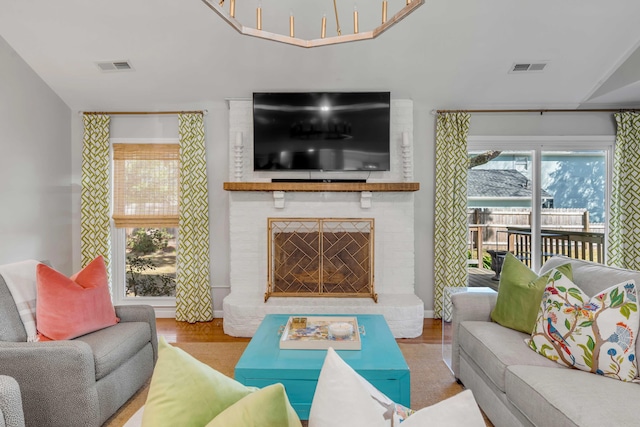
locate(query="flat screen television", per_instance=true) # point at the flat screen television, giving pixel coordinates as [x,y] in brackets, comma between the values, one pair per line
[321,131]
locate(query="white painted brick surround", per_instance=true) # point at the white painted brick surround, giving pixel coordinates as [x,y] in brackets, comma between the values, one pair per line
[241,123]
[393,213]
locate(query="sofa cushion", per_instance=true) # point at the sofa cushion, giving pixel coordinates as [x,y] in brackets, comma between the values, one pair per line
[460,410]
[569,397]
[69,307]
[590,276]
[595,335]
[113,346]
[593,277]
[185,391]
[519,294]
[11,327]
[267,407]
[494,348]
[343,397]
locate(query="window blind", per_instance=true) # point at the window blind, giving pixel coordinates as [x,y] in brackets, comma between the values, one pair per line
[146,185]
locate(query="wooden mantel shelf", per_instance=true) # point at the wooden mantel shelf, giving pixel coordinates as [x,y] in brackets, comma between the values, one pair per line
[322,186]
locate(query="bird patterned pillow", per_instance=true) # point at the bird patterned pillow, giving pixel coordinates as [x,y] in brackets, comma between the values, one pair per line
[596,334]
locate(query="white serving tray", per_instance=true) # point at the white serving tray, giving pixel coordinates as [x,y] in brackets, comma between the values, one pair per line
[316,336]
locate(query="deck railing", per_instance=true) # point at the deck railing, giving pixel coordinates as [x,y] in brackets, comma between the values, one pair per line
[574,244]
[564,231]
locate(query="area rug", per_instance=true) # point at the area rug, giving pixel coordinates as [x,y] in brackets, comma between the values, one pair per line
[431,380]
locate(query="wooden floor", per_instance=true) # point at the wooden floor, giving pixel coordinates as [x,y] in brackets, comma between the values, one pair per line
[175,331]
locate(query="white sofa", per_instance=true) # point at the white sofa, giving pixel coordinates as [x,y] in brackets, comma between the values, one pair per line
[515,386]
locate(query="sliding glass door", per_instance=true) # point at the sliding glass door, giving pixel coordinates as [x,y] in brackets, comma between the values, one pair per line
[538,197]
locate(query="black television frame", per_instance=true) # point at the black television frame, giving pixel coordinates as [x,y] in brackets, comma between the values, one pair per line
[331,131]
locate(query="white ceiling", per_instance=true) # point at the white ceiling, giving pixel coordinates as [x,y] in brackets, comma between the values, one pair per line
[447,54]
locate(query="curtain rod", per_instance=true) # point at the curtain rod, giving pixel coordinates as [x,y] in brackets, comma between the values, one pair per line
[132,113]
[541,111]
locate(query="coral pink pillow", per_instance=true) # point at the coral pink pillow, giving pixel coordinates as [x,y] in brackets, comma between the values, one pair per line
[69,307]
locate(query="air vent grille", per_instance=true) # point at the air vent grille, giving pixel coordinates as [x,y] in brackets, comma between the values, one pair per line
[537,67]
[122,65]
[521,67]
[528,67]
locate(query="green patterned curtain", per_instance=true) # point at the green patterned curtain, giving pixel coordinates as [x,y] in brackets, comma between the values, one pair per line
[95,226]
[193,291]
[624,225]
[450,234]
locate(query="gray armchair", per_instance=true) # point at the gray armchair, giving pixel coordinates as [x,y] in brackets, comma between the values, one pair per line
[79,382]
[11,414]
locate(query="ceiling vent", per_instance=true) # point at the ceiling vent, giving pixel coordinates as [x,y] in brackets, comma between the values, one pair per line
[114,66]
[527,67]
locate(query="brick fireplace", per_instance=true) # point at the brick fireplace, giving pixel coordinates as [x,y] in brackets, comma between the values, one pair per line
[393,247]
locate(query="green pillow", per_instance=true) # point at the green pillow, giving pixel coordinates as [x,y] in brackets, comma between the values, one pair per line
[185,391]
[268,407]
[520,293]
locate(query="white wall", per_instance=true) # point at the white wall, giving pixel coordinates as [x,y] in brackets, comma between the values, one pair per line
[35,167]
[547,124]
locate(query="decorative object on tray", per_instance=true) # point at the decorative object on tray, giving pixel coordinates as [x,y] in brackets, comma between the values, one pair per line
[320,333]
[340,330]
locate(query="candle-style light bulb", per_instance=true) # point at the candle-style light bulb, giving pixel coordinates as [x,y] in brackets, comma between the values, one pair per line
[355,19]
[323,30]
[259,16]
[232,8]
[384,11]
[291,31]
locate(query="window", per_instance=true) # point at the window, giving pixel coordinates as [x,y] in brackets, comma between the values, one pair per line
[538,197]
[145,217]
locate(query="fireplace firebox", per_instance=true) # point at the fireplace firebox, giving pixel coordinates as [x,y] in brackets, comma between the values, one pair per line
[321,257]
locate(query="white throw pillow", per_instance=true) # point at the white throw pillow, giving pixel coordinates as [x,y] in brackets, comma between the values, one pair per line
[342,399]
[460,410]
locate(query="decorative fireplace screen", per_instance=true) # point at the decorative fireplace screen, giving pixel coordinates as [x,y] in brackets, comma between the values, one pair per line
[320,257]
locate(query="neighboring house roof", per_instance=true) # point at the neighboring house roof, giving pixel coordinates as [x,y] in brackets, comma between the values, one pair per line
[499,183]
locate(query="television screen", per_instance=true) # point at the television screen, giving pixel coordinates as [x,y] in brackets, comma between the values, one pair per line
[326,131]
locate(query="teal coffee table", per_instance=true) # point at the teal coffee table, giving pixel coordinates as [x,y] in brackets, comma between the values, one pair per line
[380,361]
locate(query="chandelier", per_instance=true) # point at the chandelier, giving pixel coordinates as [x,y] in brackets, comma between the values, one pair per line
[229,15]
